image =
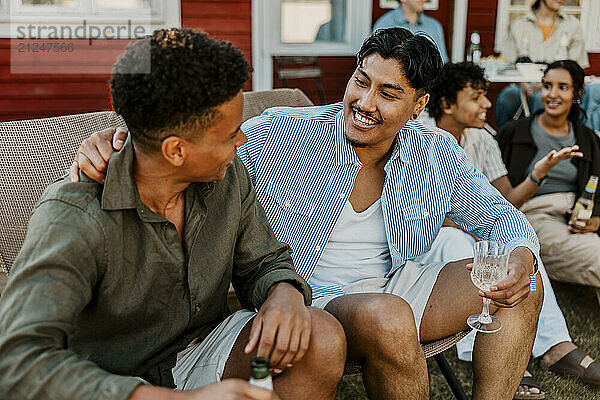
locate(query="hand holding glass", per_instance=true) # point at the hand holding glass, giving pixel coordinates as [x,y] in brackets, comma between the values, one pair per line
[490,266]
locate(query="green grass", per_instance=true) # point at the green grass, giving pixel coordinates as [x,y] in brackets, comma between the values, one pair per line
[581,310]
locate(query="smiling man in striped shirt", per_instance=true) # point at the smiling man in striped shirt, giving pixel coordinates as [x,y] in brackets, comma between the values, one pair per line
[358,189]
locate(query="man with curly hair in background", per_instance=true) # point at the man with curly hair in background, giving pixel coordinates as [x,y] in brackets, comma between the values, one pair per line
[120,289]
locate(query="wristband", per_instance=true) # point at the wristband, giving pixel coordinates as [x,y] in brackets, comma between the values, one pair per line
[538,182]
[532,282]
[532,275]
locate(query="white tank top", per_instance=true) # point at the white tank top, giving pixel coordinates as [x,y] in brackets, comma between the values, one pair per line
[357,248]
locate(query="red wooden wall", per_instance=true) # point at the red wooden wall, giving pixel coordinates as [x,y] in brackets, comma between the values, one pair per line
[24,96]
[32,96]
[35,95]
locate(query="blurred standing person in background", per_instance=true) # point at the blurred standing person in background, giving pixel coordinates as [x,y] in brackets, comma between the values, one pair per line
[545,34]
[409,15]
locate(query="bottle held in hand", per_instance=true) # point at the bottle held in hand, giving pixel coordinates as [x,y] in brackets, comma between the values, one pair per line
[585,204]
[260,374]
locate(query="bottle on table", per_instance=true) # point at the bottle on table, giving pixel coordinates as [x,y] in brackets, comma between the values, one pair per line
[585,204]
[474,52]
[524,50]
[260,374]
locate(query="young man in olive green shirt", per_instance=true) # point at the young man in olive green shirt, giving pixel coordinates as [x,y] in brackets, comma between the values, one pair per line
[125,283]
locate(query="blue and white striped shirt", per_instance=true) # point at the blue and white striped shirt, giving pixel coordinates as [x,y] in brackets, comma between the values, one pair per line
[303,169]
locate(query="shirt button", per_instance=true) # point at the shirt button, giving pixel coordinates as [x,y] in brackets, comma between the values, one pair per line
[342,195]
[356,164]
[318,248]
[426,213]
[197,307]
[287,204]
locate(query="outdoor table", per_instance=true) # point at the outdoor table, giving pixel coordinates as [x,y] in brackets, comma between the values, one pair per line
[514,76]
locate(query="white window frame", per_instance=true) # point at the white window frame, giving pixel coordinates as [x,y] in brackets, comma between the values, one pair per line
[590,14]
[266,38]
[164,14]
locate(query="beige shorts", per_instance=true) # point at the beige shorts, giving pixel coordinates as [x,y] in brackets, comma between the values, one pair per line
[568,257]
[413,282]
[203,363]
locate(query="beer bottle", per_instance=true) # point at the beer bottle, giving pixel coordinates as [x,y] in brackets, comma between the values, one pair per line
[585,204]
[474,52]
[524,50]
[259,373]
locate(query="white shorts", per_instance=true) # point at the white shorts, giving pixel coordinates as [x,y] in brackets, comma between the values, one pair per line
[203,363]
[413,282]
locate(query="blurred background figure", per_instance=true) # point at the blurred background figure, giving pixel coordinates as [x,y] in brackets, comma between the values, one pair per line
[409,15]
[545,34]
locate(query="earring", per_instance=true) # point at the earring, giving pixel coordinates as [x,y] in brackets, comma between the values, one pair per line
[415,116]
[577,101]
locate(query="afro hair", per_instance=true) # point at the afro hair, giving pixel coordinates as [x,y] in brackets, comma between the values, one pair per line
[191,74]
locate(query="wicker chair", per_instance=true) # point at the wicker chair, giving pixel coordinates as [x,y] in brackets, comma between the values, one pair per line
[34,153]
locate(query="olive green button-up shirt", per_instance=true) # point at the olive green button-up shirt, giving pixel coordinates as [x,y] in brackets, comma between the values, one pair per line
[103,290]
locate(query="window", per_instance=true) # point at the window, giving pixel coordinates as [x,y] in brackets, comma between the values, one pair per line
[49,16]
[59,3]
[305,28]
[587,11]
[308,22]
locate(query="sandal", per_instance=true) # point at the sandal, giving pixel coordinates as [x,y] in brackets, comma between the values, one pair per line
[570,365]
[530,382]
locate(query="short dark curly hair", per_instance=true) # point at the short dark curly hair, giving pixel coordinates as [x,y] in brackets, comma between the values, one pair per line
[191,74]
[417,54]
[453,79]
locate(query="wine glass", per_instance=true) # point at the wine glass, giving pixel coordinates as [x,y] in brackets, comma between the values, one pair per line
[490,265]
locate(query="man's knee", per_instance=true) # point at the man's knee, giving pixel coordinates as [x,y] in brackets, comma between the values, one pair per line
[389,321]
[328,339]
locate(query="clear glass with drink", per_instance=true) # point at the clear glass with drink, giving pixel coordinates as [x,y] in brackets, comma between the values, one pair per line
[490,266]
